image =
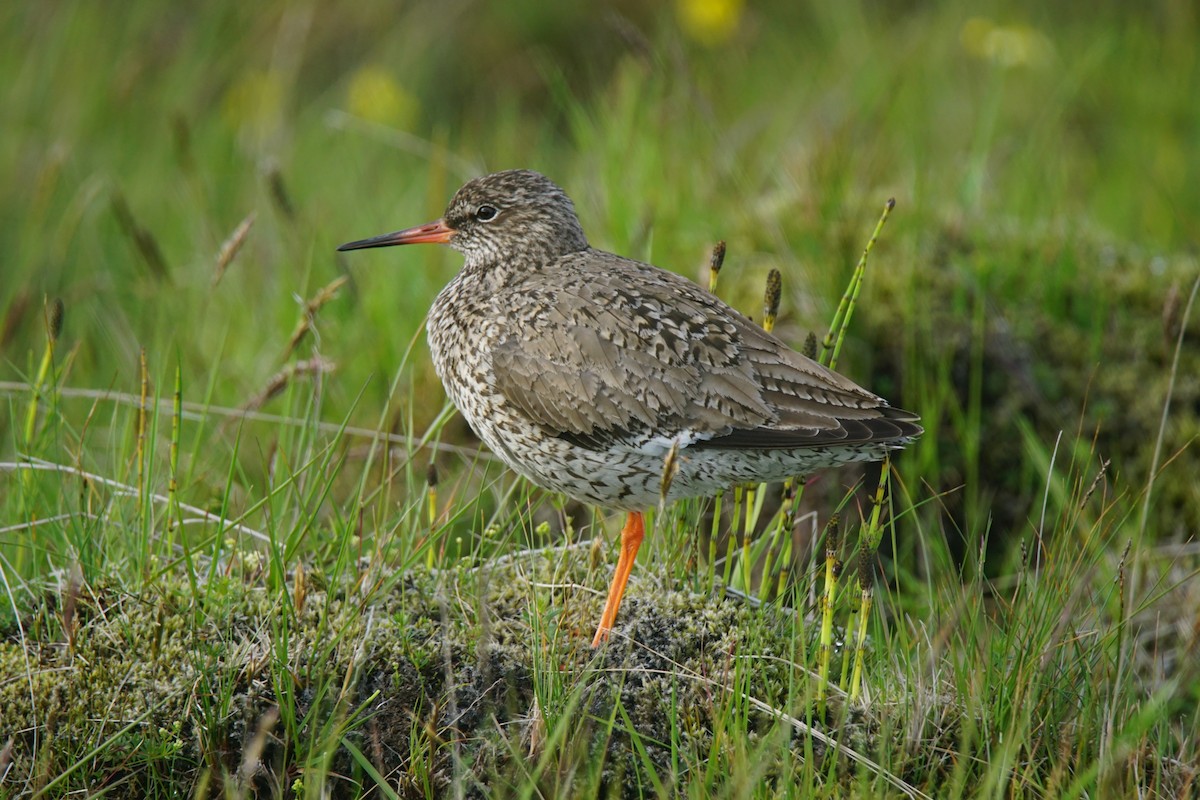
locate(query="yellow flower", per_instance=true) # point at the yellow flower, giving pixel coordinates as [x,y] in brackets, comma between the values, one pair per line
[376,96]
[1005,45]
[710,22]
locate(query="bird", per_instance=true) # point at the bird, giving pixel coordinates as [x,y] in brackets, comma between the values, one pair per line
[588,372]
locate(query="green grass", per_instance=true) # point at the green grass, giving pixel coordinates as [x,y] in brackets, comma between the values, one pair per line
[238,588]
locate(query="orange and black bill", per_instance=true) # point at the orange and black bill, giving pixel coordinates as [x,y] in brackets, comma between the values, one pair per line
[437,232]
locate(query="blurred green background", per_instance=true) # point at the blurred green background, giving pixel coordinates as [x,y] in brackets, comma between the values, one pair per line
[1045,162]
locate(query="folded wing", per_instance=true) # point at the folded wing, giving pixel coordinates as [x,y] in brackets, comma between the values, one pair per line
[672,361]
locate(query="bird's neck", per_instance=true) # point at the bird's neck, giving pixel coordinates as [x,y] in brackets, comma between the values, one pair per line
[495,270]
[488,272]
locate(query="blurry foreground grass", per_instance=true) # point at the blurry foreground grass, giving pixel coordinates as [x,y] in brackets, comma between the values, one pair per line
[238,587]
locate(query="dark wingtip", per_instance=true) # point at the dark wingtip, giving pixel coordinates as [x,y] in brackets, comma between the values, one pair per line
[908,422]
[892,429]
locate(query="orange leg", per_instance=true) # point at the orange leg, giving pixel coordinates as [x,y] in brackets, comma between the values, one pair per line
[631,539]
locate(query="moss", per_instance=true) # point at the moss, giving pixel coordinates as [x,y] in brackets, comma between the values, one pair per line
[443,673]
[476,677]
[1060,345]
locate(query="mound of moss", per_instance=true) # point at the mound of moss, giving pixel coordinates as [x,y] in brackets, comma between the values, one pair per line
[1042,335]
[426,679]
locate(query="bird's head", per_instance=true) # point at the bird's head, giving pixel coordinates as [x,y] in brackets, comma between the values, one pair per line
[516,215]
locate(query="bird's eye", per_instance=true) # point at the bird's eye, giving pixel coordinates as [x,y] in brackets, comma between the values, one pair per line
[486,213]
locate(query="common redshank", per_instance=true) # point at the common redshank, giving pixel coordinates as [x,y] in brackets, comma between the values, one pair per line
[585,371]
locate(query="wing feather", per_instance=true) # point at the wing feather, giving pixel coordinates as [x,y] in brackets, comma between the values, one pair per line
[607,364]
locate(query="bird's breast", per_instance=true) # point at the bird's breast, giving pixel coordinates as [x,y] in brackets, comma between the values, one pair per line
[459,344]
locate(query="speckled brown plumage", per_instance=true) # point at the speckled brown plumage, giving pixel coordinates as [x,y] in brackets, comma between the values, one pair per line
[582,369]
